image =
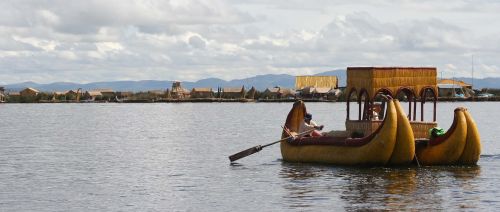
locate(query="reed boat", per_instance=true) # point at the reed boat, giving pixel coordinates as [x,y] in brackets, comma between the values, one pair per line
[405,142]
[391,144]
[374,149]
[461,144]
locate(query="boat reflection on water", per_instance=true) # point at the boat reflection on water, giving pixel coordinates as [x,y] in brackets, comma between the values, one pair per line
[305,187]
[360,188]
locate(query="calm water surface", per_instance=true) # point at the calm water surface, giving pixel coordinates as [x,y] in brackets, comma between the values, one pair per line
[173,157]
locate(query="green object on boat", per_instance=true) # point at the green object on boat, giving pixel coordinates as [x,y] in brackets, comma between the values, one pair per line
[436,132]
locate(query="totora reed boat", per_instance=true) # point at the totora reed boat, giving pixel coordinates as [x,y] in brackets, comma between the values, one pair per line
[389,135]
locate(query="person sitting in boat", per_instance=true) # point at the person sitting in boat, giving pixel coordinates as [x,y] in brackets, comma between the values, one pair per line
[308,124]
[375,111]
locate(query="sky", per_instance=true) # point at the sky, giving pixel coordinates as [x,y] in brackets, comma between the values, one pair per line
[93,40]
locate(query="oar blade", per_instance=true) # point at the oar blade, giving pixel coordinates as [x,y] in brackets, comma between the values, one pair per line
[245,153]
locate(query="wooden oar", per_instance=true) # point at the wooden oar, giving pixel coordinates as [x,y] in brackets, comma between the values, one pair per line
[256,149]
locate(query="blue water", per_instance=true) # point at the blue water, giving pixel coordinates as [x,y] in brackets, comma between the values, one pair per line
[173,157]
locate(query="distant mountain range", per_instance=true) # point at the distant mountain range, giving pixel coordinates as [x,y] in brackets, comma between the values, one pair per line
[260,82]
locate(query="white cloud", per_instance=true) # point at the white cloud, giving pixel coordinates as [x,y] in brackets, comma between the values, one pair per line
[93,40]
[46,45]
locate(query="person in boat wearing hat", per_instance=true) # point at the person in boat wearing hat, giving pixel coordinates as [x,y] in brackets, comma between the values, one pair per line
[308,124]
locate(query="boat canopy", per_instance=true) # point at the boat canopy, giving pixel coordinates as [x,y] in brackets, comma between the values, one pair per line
[416,83]
[390,80]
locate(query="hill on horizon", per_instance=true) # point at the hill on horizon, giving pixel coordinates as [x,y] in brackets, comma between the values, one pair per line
[260,82]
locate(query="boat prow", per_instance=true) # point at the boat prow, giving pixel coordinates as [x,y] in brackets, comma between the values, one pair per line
[448,148]
[472,149]
[404,150]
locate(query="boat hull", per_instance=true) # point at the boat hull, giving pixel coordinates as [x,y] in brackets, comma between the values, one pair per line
[375,149]
[446,150]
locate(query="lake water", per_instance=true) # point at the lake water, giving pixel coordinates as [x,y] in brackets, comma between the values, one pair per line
[173,157]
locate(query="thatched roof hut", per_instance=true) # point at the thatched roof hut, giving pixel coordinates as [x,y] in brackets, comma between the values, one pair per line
[92,95]
[233,93]
[458,83]
[202,93]
[29,92]
[316,81]
[251,93]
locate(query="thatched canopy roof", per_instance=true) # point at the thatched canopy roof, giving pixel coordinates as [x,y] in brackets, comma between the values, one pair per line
[316,81]
[392,79]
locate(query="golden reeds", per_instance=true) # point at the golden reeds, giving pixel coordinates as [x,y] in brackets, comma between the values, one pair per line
[316,81]
[391,78]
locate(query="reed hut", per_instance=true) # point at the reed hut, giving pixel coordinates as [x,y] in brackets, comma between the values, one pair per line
[458,83]
[92,95]
[107,93]
[321,93]
[29,92]
[233,93]
[302,82]
[454,88]
[202,93]
[271,93]
[70,95]
[124,95]
[251,93]
[278,93]
[318,93]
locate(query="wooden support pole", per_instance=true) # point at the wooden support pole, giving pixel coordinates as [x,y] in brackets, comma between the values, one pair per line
[422,110]
[409,107]
[414,108]
[348,106]
[359,103]
[434,115]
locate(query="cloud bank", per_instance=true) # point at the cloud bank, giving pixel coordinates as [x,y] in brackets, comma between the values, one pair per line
[88,41]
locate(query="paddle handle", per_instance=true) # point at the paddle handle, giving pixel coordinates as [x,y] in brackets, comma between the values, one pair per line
[284,139]
[256,149]
[245,153]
